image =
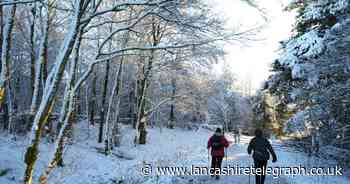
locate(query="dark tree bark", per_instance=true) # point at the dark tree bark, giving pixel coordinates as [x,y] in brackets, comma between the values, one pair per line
[142,116]
[104,95]
[67,116]
[32,49]
[1,30]
[5,81]
[51,88]
[115,93]
[172,118]
[92,102]
[103,102]
[132,104]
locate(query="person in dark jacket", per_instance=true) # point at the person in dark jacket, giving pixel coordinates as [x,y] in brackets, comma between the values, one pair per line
[217,143]
[262,149]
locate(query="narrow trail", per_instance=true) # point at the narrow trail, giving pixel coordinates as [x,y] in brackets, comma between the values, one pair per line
[237,156]
[85,165]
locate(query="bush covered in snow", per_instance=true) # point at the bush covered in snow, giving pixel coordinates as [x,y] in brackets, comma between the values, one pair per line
[313,69]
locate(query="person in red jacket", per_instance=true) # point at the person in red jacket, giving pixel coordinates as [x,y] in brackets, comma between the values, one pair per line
[217,143]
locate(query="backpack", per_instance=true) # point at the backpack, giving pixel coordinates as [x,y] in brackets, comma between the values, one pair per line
[216,142]
[258,155]
[260,149]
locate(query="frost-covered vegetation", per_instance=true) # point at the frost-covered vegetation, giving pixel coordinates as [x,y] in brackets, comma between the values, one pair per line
[310,84]
[130,62]
[90,90]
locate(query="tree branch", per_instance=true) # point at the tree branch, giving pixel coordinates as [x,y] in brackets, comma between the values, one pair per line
[6,3]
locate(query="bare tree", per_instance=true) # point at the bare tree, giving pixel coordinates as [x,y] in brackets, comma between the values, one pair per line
[5,89]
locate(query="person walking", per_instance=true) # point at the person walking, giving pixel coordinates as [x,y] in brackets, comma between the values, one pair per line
[237,135]
[217,143]
[262,149]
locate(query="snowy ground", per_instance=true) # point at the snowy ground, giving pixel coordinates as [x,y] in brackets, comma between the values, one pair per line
[85,165]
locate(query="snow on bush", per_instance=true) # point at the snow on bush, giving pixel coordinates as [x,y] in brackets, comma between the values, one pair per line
[305,71]
[313,12]
[308,45]
[296,123]
[318,10]
[339,6]
[336,27]
[314,117]
[302,122]
[302,71]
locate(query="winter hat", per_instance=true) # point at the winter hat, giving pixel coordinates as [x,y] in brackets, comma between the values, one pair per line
[258,133]
[218,130]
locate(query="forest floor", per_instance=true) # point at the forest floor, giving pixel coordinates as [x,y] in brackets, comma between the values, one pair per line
[84,164]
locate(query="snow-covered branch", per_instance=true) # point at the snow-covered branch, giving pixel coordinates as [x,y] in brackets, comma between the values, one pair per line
[9,2]
[123,7]
[160,47]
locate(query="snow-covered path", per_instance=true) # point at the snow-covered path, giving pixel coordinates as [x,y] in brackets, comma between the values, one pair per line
[236,156]
[180,148]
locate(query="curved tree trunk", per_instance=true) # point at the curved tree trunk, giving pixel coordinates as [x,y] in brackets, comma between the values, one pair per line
[141,115]
[141,122]
[39,63]
[50,90]
[65,121]
[115,93]
[5,63]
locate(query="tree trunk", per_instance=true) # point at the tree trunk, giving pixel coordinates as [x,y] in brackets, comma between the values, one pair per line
[87,106]
[32,152]
[51,87]
[32,49]
[65,116]
[9,102]
[118,81]
[1,33]
[172,118]
[92,102]
[132,104]
[141,123]
[115,93]
[2,108]
[39,63]
[103,102]
[104,96]
[5,63]
[141,116]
